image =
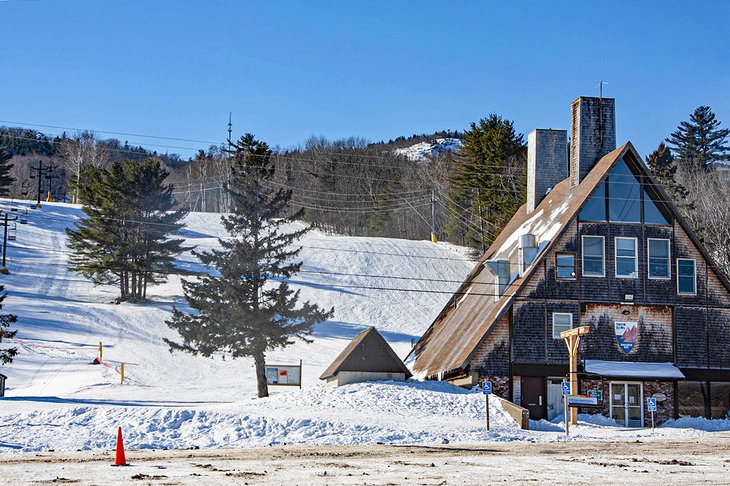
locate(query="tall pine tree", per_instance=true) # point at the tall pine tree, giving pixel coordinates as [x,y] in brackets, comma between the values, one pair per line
[6,354]
[126,238]
[488,179]
[663,166]
[5,179]
[700,142]
[246,308]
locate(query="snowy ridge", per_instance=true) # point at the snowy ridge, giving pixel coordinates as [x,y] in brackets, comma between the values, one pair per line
[425,150]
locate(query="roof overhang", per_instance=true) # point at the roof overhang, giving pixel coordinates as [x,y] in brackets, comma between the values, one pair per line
[628,369]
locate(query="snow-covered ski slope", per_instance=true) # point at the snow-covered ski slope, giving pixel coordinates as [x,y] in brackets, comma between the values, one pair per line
[63,317]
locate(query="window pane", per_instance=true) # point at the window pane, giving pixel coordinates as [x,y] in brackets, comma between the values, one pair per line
[686,276]
[720,400]
[595,207]
[624,193]
[561,322]
[626,257]
[593,255]
[692,396]
[652,215]
[566,265]
[659,258]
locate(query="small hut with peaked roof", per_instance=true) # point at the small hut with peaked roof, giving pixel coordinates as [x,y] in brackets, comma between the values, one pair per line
[368,357]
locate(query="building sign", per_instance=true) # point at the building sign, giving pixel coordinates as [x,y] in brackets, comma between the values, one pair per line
[284,375]
[597,394]
[627,335]
[581,400]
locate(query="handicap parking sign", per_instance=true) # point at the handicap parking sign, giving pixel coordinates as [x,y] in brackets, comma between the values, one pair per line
[487,387]
[651,404]
[565,387]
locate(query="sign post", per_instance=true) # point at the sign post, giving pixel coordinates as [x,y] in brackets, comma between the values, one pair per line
[572,340]
[651,406]
[565,387]
[487,390]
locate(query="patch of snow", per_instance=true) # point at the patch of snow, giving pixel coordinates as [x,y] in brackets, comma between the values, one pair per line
[426,150]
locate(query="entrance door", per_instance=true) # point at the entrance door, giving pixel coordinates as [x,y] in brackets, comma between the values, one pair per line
[533,396]
[554,398]
[626,404]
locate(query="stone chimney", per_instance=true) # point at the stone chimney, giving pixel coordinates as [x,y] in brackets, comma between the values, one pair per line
[592,134]
[547,163]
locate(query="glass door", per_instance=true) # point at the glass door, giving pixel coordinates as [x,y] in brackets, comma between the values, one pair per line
[626,404]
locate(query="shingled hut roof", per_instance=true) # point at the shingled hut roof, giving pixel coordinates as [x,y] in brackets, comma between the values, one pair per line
[369,352]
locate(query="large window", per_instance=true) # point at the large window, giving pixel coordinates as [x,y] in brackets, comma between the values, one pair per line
[658,254]
[593,256]
[626,258]
[719,400]
[624,195]
[561,322]
[686,276]
[565,265]
[692,397]
[703,399]
[620,198]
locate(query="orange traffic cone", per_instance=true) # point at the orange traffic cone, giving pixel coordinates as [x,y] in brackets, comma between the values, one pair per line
[120,459]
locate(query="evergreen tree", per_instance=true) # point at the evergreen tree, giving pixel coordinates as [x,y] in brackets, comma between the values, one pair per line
[6,354]
[489,178]
[126,237]
[664,167]
[247,308]
[699,142]
[5,180]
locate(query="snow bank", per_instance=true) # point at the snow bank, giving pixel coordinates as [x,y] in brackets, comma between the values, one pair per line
[368,413]
[699,423]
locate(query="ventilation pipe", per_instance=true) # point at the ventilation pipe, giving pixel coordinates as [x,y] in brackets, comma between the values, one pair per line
[500,269]
[528,251]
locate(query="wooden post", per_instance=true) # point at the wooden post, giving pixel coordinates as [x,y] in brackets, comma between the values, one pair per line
[100,350]
[121,370]
[572,340]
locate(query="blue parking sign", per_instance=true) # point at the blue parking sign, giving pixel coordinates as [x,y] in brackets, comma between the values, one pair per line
[565,387]
[651,404]
[487,387]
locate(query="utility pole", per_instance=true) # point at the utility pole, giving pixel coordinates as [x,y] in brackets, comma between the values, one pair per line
[40,180]
[6,217]
[481,220]
[50,176]
[434,239]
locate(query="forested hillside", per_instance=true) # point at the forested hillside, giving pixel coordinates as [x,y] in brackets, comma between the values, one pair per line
[464,186]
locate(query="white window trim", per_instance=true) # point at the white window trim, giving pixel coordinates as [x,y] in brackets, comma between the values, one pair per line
[570,314]
[615,257]
[648,258]
[694,263]
[583,256]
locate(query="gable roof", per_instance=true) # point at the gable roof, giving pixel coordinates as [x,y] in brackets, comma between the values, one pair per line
[466,320]
[368,351]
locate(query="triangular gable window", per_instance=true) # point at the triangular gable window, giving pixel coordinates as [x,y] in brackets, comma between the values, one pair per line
[619,198]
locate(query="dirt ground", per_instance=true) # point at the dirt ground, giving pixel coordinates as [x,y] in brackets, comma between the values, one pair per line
[696,462]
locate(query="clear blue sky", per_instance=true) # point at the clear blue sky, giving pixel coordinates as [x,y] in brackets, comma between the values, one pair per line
[291,69]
